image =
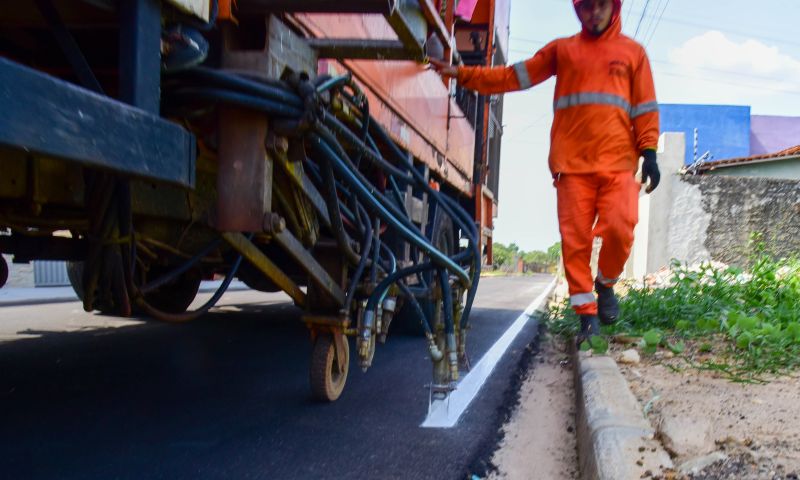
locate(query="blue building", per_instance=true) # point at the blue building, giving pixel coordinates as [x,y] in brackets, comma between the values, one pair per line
[722,130]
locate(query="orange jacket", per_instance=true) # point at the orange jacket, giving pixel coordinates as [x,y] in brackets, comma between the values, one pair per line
[605,102]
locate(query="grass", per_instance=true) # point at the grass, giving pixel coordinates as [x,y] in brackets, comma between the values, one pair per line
[745,325]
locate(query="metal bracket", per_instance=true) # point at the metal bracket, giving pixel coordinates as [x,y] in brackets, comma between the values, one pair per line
[308,263]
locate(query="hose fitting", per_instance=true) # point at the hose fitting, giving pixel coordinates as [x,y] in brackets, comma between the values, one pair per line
[436,354]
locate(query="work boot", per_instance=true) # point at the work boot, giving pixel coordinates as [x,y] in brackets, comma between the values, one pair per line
[607,305]
[590,327]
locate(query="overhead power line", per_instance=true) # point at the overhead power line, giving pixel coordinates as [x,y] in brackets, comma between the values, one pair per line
[630,8]
[653,23]
[644,12]
[660,16]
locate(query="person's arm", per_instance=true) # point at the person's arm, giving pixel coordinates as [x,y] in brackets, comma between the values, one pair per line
[644,113]
[490,80]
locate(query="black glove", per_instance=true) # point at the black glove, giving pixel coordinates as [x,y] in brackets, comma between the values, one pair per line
[650,170]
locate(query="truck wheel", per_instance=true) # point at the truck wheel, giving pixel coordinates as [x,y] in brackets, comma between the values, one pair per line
[176,296]
[3,272]
[406,320]
[75,275]
[327,378]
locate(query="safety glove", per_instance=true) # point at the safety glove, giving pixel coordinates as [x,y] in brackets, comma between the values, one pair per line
[650,170]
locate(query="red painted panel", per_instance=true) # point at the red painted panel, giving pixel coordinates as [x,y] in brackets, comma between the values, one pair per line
[408,99]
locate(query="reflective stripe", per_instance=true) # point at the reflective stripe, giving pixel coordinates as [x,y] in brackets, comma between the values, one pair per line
[605,281]
[643,108]
[577,99]
[522,75]
[581,299]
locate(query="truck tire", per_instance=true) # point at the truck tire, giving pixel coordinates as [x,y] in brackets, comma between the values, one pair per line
[3,272]
[406,320]
[175,297]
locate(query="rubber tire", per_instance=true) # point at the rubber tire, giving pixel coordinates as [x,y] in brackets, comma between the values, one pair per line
[174,297]
[405,320]
[326,383]
[3,272]
[75,275]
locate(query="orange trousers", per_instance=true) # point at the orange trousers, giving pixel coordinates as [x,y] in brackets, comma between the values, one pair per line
[602,204]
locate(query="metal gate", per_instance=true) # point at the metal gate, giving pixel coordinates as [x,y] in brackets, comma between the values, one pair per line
[50,273]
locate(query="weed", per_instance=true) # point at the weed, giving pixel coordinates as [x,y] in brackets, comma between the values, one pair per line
[751,320]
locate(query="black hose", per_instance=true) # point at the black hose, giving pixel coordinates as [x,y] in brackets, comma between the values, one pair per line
[169,277]
[239,99]
[447,301]
[426,324]
[278,93]
[336,149]
[188,316]
[455,212]
[371,202]
[336,126]
[332,201]
[362,264]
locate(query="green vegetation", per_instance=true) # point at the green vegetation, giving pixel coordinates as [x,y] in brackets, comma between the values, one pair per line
[744,325]
[506,257]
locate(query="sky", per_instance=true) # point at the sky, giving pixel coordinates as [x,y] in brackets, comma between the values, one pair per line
[720,52]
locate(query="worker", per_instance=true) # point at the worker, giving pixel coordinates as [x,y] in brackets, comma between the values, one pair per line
[606,119]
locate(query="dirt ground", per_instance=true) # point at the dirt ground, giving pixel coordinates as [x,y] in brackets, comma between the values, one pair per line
[757,427]
[539,440]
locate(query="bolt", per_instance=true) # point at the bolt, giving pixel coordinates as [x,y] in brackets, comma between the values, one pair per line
[273,223]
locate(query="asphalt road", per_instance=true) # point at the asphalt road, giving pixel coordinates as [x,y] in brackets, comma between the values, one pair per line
[227,396]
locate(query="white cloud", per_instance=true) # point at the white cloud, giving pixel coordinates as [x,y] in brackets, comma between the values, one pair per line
[754,63]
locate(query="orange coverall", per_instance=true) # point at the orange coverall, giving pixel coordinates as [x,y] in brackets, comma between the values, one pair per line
[605,115]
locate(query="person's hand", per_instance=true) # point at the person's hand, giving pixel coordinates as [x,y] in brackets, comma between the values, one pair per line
[650,170]
[443,68]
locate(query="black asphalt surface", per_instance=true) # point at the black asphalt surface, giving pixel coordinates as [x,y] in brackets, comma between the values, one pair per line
[227,397]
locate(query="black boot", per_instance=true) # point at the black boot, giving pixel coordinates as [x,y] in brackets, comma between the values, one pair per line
[590,326]
[607,305]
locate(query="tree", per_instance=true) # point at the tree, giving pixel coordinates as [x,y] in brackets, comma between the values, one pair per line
[502,255]
[554,253]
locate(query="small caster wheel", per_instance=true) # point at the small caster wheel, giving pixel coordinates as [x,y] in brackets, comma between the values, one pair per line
[328,370]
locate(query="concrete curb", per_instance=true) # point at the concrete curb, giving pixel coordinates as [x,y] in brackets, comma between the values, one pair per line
[615,440]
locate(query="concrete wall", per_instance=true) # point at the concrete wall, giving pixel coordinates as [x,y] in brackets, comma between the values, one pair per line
[700,218]
[770,134]
[722,129]
[741,206]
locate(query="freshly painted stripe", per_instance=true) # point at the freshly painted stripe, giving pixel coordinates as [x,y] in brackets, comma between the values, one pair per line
[445,413]
[643,108]
[522,75]
[578,99]
[581,299]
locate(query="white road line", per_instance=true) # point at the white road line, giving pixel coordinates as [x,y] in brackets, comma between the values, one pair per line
[445,413]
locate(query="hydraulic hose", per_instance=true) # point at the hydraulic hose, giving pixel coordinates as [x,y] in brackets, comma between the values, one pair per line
[243,100]
[167,278]
[336,149]
[337,127]
[332,201]
[362,264]
[371,202]
[277,92]
[188,316]
[334,82]
[455,212]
